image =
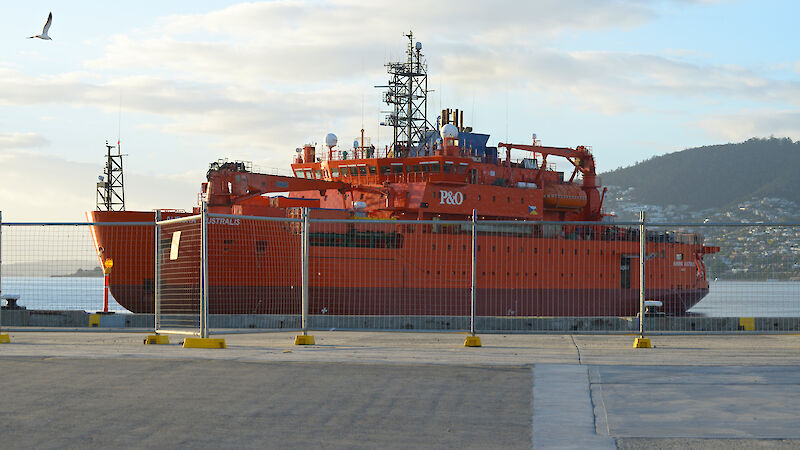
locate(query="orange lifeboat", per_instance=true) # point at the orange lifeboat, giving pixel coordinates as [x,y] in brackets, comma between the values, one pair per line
[564,196]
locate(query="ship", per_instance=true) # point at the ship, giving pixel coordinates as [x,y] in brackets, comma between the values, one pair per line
[395,237]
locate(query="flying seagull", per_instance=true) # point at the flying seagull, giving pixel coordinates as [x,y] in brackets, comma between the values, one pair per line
[44,30]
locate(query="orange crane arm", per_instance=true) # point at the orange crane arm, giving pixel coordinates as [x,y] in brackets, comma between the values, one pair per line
[227,187]
[584,161]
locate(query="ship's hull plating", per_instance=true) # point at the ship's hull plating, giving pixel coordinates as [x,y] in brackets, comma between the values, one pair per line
[413,301]
[255,269]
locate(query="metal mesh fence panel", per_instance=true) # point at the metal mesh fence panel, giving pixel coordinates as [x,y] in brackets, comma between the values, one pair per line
[178,287]
[557,276]
[254,271]
[726,277]
[377,274]
[58,266]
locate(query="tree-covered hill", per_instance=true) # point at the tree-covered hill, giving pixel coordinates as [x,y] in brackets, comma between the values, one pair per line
[715,176]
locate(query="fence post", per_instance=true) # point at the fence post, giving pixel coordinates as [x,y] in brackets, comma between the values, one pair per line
[204,341]
[304,339]
[156,338]
[4,339]
[641,341]
[157,277]
[472,340]
[204,272]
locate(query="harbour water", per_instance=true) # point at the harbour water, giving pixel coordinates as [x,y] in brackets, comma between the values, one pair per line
[750,299]
[59,293]
[726,298]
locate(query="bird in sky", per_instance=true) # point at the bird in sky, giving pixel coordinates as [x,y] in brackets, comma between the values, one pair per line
[45,29]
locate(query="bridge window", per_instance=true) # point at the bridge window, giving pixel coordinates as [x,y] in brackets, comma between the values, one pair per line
[319,173]
[334,171]
[373,170]
[435,167]
[448,166]
[385,170]
[354,171]
[397,169]
[362,170]
[300,174]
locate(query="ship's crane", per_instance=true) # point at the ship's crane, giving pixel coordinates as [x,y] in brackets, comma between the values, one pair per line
[230,183]
[580,157]
[583,161]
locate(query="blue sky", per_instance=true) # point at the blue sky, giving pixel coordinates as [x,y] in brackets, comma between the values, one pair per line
[187,82]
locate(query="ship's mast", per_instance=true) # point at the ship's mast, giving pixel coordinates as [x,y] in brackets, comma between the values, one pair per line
[111,186]
[407,93]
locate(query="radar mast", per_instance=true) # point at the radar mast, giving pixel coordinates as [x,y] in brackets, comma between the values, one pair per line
[110,185]
[407,93]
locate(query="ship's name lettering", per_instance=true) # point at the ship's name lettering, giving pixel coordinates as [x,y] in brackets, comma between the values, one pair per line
[450,198]
[223,221]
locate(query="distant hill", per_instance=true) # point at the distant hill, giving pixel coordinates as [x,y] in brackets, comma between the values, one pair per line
[715,176]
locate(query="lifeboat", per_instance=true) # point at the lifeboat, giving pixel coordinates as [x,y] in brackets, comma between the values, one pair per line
[564,196]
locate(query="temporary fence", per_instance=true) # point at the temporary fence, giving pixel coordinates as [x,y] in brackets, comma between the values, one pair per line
[179,276]
[255,271]
[311,271]
[52,272]
[753,276]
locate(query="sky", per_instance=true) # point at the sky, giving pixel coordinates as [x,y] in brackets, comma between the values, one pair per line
[184,83]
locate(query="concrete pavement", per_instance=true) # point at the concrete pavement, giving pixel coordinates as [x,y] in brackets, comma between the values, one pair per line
[400,390]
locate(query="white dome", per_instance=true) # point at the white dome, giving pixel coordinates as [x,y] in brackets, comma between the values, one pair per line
[331,140]
[449,131]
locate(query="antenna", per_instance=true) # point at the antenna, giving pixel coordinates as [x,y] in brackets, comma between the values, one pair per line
[119,119]
[506,115]
[472,119]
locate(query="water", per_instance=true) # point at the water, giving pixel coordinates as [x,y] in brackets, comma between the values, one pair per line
[59,293]
[726,298]
[751,299]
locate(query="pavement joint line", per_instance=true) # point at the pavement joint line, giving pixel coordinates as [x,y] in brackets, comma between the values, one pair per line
[598,402]
[563,414]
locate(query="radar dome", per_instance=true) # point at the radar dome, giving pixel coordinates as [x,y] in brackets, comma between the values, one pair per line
[449,131]
[331,140]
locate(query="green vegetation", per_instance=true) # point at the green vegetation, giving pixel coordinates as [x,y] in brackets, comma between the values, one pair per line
[715,176]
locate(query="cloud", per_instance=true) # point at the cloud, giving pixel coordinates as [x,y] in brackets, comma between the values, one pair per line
[291,41]
[255,80]
[50,194]
[17,141]
[613,82]
[743,125]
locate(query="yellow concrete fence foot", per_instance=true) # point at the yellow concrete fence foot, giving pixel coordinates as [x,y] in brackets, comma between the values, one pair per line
[304,340]
[4,339]
[472,341]
[94,320]
[156,339]
[747,323]
[196,342]
[642,342]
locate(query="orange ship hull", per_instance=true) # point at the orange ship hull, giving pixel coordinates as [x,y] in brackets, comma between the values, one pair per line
[412,270]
